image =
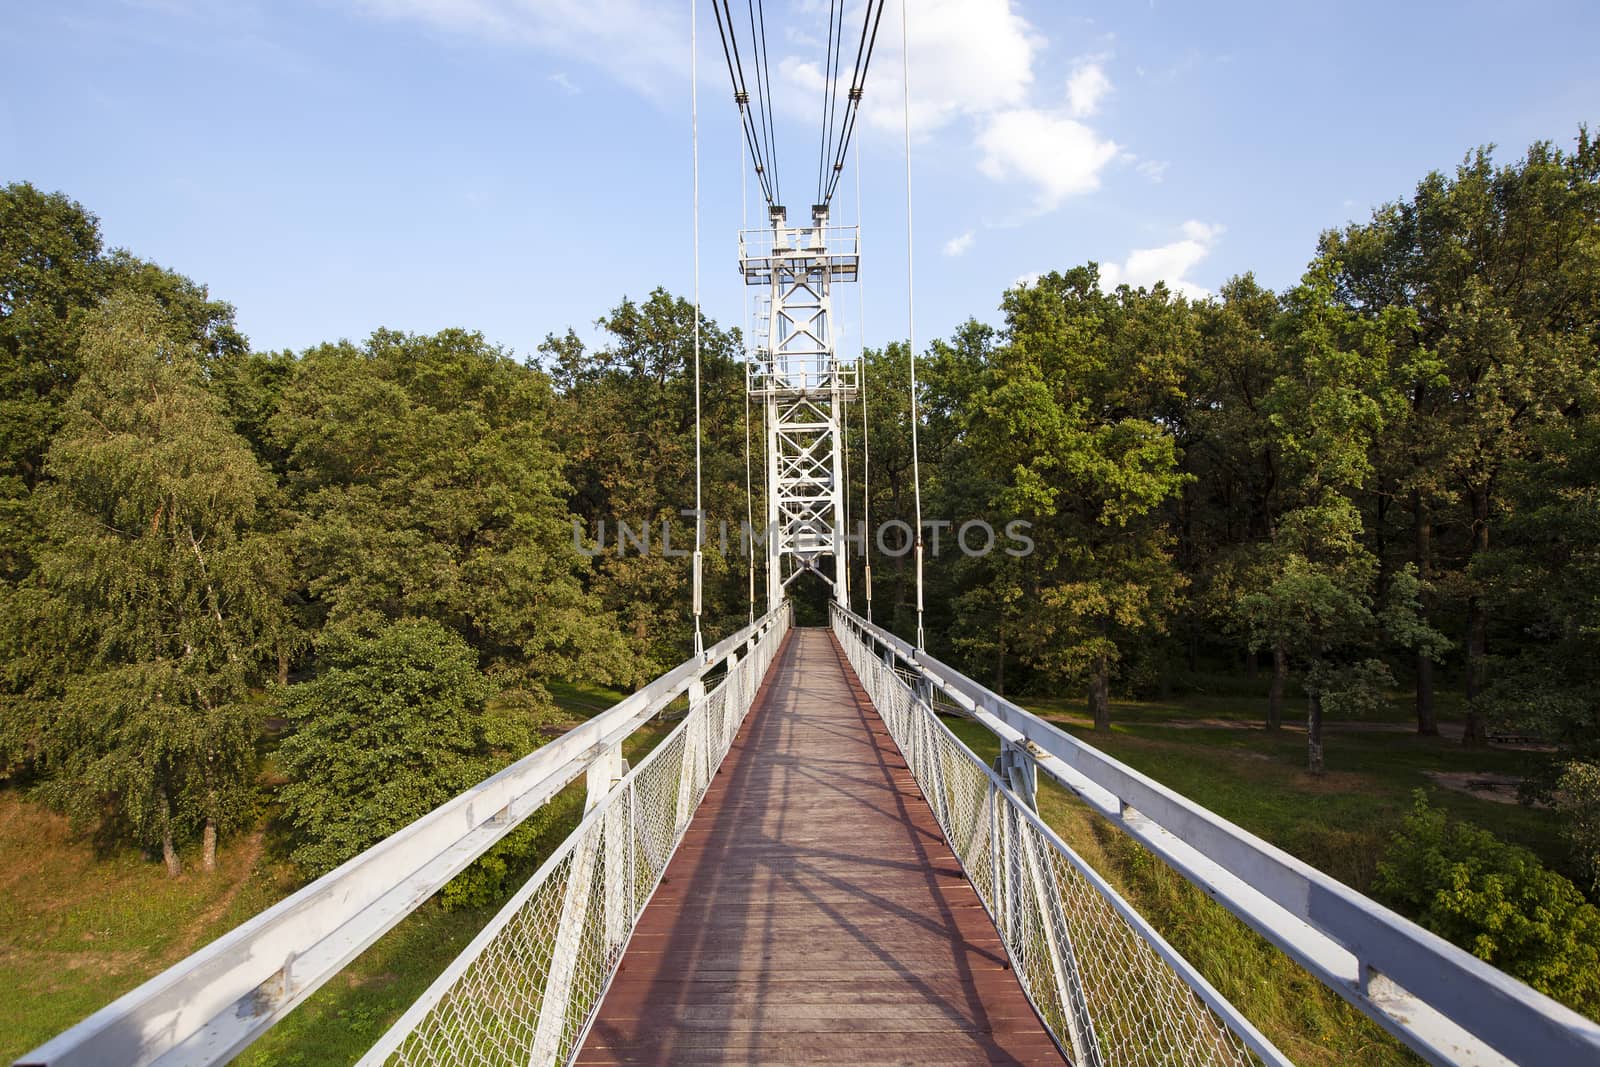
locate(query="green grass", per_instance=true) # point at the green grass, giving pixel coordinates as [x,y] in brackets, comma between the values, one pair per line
[583,702]
[78,929]
[1202,696]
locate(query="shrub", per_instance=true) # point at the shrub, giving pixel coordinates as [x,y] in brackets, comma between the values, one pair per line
[394,726]
[493,876]
[1577,798]
[1497,901]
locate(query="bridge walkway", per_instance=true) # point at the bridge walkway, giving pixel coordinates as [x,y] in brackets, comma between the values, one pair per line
[813,912]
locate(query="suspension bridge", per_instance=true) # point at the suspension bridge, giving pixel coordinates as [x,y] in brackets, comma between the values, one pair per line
[812,866]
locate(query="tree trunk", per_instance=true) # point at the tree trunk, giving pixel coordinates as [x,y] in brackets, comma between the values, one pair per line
[208,846]
[169,853]
[1380,537]
[1427,720]
[283,666]
[1477,626]
[1000,664]
[1280,675]
[1252,665]
[1314,734]
[1100,695]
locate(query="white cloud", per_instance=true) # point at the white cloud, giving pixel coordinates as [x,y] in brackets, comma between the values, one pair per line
[1059,156]
[968,57]
[1026,281]
[1154,169]
[643,44]
[974,60]
[957,246]
[1168,263]
[564,83]
[1085,89]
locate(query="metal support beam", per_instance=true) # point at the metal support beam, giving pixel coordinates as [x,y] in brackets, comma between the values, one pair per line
[1016,768]
[1058,940]
[797,374]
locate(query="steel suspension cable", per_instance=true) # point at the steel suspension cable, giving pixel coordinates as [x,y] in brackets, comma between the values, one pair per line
[911,310]
[830,96]
[866,452]
[741,94]
[758,15]
[694,142]
[748,535]
[858,78]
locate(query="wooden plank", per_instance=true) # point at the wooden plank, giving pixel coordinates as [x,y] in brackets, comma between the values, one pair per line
[912,1049]
[813,913]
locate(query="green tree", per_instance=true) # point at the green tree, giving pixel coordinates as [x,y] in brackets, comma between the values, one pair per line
[425,485]
[1068,431]
[1310,593]
[395,725]
[886,374]
[1501,267]
[50,274]
[1232,452]
[154,605]
[1496,901]
[625,423]
[1544,576]
[1577,797]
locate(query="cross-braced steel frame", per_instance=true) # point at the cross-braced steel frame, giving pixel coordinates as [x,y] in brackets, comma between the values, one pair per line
[799,377]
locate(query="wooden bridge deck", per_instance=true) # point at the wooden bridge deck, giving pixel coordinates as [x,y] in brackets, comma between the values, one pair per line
[813,913]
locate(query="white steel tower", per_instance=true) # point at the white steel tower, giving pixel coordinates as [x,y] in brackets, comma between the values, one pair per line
[795,371]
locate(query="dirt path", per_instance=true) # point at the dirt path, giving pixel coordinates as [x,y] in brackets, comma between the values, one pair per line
[208,918]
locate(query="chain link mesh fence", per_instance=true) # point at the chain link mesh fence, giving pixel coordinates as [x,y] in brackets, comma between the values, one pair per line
[523,992]
[1092,968]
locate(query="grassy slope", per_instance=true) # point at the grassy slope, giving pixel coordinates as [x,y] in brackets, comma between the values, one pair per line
[77,931]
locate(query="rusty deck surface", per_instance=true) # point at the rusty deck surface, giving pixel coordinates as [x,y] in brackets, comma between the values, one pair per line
[814,913]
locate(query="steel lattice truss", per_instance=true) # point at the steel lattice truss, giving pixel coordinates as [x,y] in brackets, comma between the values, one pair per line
[798,375]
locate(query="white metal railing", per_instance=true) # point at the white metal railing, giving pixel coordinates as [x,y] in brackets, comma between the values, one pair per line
[209,1006]
[784,373]
[1448,1006]
[527,987]
[837,243]
[1110,989]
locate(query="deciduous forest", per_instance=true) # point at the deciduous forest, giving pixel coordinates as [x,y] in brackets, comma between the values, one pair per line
[325,590]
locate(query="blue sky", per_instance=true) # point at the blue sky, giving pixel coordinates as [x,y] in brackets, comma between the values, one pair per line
[517,166]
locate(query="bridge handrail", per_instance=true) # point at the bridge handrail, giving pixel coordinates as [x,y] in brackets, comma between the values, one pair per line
[209,1006]
[1446,1004]
[1109,988]
[528,986]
